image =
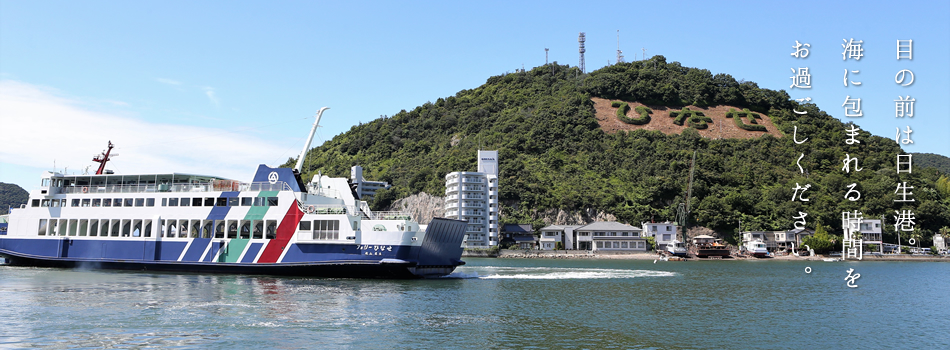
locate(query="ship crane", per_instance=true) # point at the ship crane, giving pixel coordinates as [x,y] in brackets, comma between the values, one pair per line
[103,158]
[684,208]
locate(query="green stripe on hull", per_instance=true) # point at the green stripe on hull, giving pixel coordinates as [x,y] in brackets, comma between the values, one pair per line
[233,250]
[257,213]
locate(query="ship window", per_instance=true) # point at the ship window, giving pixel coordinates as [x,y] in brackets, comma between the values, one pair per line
[35,203]
[45,203]
[164,202]
[128,202]
[107,202]
[209,202]
[258,201]
[245,229]
[196,202]
[219,230]
[271,232]
[55,203]
[103,228]
[326,229]
[221,202]
[305,225]
[42,229]
[272,201]
[234,201]
[117,202]
[232,229]
[115,228]
[139,202]
[148,228]
[184,202]
[258,229]
[173,202]
[75,202]
[97,202]
[93,227]
[85,202]
[150,202]
[246,201]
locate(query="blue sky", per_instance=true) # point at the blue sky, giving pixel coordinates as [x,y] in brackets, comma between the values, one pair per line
[217,87]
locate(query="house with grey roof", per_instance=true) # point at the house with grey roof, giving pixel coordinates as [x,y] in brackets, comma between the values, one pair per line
[565,234]
[610,236]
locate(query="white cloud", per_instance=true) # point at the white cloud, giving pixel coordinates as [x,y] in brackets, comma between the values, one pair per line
[168,81]
[41,126]
[210,92]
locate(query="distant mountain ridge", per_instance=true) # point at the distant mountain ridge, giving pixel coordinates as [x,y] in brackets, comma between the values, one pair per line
[555,155]
[930,160]
[12,196]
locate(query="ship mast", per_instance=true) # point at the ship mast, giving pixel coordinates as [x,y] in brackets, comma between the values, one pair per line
[103,158]
[306,146]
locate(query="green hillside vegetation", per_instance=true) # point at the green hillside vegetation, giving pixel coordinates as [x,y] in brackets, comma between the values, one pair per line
[553,153]
[11,195]
[930,160]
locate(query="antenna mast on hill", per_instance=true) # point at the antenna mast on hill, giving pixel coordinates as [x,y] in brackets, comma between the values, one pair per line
[103,158]
[545,56]
[580,41]
[619,53]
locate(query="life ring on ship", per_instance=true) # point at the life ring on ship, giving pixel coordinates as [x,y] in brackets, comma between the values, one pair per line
[311,209]
[85,189]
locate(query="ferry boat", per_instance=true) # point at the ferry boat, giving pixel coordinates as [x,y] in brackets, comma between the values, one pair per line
[274,225]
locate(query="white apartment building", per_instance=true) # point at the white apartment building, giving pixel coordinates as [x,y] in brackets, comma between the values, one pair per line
[365,189]
[473,197]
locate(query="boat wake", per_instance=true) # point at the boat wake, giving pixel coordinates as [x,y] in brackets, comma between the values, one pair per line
[551,273]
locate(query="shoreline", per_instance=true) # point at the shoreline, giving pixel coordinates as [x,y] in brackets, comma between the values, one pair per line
[568,254]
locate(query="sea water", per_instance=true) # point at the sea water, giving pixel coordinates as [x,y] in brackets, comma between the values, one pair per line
[491,304]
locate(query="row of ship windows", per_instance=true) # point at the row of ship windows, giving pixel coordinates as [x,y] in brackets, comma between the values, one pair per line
[169,202]
[621,245]
[246,229]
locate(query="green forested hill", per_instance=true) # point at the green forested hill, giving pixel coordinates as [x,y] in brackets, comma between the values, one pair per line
[11,195]
[553,153]
[930,160]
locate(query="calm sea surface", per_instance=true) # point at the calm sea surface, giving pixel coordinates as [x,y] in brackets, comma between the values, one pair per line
[490,303]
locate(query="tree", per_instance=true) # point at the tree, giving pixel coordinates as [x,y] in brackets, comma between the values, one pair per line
[821,242]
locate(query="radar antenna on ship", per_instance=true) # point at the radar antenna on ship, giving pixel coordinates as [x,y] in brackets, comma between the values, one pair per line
[103,158]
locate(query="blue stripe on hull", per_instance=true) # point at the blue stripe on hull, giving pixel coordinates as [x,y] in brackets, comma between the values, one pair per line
[215,247]
[218,213]
[170,251]
[252,252]
[198,246]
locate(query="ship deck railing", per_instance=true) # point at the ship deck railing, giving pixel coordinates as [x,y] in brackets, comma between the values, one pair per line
[388,215]
[189,187]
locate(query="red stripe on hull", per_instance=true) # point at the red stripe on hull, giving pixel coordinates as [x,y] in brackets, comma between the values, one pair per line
[285,231]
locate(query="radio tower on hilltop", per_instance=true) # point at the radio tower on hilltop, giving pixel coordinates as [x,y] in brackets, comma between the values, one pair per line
[580,42]
[619,53]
